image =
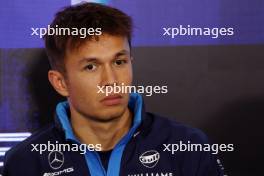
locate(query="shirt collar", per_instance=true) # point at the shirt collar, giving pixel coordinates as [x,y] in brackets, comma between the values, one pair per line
[135,104]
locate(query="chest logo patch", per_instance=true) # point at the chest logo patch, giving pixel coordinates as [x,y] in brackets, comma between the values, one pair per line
[56,159]
[149,158]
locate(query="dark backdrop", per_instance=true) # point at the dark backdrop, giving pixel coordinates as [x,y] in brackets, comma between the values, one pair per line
[218,89]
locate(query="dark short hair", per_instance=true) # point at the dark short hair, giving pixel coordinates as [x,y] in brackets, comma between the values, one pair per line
[85,15]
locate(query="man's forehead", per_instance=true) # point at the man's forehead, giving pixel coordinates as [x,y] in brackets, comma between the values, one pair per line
[102,46]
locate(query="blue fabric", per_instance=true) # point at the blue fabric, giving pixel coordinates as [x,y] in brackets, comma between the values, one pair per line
[164,131]
[61,111]
[92,158]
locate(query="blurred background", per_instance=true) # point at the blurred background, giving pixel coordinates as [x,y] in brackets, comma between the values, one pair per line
[213,84]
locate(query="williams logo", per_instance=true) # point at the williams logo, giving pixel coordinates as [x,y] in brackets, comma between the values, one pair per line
[149,158]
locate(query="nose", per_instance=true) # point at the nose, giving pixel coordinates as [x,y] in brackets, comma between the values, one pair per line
[109,77]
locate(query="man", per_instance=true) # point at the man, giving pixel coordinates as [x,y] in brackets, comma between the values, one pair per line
[123,139]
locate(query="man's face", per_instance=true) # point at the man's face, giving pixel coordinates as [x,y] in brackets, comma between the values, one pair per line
[99,63]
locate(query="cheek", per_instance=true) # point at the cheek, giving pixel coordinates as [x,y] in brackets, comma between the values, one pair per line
[126,75]
[82,86]
[83,95]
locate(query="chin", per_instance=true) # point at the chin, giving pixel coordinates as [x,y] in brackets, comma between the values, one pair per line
[111,114]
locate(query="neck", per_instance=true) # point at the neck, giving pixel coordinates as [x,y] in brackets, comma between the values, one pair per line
[107,134]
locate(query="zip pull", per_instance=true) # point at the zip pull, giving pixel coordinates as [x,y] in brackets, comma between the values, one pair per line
[137,133]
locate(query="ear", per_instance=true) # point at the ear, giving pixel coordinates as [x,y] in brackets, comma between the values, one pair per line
[58,82]
[132,58]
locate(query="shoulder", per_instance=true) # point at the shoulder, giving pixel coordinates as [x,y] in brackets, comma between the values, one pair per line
[23,150]
[164,126]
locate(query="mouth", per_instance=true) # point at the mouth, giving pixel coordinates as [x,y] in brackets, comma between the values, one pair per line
[111,100]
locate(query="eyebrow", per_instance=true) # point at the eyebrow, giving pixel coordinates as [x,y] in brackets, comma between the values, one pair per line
[122,52]
[94,59]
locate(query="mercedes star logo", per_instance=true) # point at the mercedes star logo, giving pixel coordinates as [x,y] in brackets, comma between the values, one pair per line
[56,159]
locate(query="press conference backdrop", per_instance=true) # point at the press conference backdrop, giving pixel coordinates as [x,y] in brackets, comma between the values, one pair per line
[215,84]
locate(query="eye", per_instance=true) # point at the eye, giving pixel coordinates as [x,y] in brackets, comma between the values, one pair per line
[120,62]
[90,67]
